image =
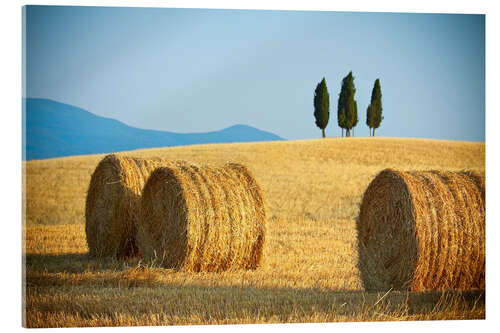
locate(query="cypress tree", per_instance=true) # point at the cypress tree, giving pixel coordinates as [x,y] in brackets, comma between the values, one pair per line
[347,104]
[321,106]
[376,107]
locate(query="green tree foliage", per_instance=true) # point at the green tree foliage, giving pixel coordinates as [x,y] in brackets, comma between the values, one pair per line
[347,106]
[341,119]
[322,106]
[370,117]
[374,112]
[355,120]
[341,113]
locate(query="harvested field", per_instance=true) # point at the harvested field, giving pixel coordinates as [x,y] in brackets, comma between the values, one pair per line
[309,267]
[423,230]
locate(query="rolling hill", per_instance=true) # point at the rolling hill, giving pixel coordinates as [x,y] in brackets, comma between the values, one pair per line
[55,129]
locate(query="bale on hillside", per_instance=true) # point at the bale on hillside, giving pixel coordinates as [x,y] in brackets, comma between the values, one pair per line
[112,203]
[202,218]
[422,230]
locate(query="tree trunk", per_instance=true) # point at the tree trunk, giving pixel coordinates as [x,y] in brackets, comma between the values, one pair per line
[347,132]
[323,132]
[342,131]
[374,131]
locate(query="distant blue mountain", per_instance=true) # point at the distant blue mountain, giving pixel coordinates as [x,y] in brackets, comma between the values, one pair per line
[55,129]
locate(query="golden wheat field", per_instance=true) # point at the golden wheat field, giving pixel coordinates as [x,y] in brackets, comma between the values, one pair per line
[312,191]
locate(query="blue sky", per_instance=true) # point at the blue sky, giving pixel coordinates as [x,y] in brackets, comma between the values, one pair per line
[197,70]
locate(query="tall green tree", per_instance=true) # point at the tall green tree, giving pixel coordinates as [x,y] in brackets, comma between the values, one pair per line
[347,105]
[374,112]
[322,106]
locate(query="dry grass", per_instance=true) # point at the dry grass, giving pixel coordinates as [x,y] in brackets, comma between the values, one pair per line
[422,230]
[72,289]
[202,218]
[309,268]
[195,305]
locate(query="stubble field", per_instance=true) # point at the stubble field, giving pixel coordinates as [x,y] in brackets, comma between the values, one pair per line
[312,190]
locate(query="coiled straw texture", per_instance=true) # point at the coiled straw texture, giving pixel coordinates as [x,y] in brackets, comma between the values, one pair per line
[422,231]
[200,218]
[112,204]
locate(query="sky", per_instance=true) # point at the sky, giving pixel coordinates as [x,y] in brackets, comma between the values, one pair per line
[199,70]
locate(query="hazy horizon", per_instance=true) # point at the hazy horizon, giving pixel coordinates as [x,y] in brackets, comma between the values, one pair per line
[200,70]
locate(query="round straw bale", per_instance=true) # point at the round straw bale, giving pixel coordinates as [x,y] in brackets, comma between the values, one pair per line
[112,204]
[422,230]
[202,218]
